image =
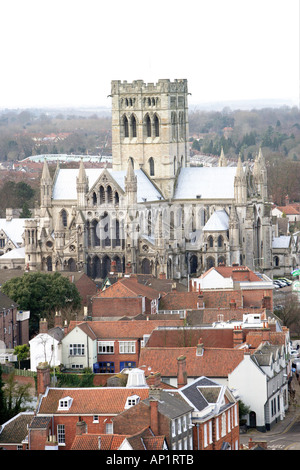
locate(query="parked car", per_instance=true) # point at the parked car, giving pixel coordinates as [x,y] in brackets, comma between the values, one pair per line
[294,353]
[285,281]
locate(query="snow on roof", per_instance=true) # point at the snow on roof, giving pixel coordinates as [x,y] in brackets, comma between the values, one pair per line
[281,242]
[207,182]
[13,228]
[65,184]
[17,253]
[217,222]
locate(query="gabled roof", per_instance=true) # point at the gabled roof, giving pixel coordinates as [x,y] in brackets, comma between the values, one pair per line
[128,287]
[215,362]
[281,242]
[218,222]
[204,392]
[122,329]
[95,401]
[206,182]
[15,430]
[98,441]
[65,183]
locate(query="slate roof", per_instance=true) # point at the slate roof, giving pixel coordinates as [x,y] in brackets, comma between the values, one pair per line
[6,302]
[15,430]
[168,404]
[197,392]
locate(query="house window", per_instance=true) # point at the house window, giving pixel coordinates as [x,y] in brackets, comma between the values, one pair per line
[65,403]
[105,347]
[205,443]
[173,428]
[76,350]
[109,428]
[223,424]
[96,419]
[217,429]
[106,367]
[61,437]
[132,401]
[127,347]
[210,432]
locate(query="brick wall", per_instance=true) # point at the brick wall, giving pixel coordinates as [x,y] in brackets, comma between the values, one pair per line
[116,307]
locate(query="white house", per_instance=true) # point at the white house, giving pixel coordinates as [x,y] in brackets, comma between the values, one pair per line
[261,382]
[79,348]
[46,346]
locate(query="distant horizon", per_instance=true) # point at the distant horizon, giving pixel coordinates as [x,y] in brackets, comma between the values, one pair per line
[217,105]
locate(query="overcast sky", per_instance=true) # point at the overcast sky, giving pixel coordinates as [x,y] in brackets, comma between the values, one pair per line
[66,52]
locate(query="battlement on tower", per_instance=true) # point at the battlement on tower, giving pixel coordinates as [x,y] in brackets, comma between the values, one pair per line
[139,86]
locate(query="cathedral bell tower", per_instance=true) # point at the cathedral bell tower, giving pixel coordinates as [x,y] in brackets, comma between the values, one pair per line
[150,126]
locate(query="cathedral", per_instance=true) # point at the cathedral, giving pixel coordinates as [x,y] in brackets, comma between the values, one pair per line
[151,212]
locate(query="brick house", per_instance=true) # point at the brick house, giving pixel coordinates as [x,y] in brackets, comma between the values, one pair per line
[126,297]
[165,413]
[64,414]
[108,346]
[61,412]
[86,286]
[215,415]
[143,440]
[14,323]
[220,286]
[214,363]
[13,433]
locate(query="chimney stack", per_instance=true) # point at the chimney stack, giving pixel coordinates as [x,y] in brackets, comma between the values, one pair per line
[58,320]
[43,325]
[181,371]
[43,377]
[200,348]
[154,416]
[238,336]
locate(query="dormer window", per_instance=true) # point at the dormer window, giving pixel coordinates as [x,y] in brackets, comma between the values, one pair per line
[131,401]
[65,403]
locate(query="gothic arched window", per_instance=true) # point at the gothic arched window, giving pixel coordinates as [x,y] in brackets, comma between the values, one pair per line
[133,126]
[64,218]
[151,166]
[148,125]
[210,241]
[156,126]
[109,195]
[125,126]
[220,241]
[102,195]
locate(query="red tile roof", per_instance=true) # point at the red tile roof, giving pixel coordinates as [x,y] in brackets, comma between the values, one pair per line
[91,442]
[102,400]
[129,287]
[123,329]
[215,362]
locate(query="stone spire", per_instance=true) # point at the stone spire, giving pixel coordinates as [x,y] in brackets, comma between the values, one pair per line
[130,179]
[46,186]
[82,184]
[222,159]
[240,184]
